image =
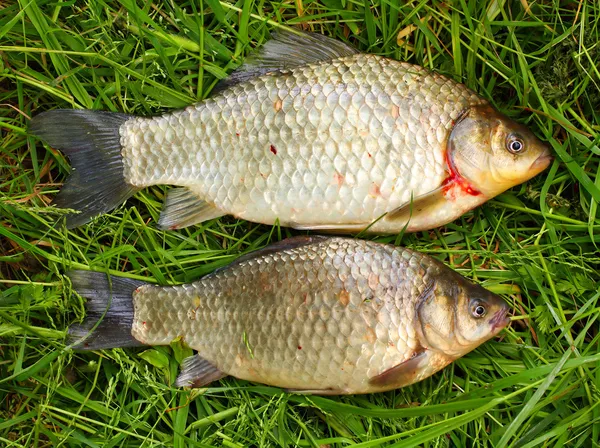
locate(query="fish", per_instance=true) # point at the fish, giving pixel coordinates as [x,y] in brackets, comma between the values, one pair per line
[310,314]
[308,133]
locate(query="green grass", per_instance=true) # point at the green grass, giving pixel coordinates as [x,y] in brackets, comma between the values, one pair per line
[536,385]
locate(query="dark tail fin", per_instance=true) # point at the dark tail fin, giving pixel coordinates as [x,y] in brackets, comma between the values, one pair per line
[91,139]
[110,311]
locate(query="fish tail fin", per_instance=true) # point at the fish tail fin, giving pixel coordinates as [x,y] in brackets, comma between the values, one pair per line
[92,141]
[109,311]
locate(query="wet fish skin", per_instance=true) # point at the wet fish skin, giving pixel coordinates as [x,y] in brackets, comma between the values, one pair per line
[324,315]
[309,133]
[340,143]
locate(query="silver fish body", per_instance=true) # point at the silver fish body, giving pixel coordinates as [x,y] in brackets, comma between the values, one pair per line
[325,315]
[327,144]
[308,133]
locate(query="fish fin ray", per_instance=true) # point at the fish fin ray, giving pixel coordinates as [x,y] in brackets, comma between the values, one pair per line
[417,205]
[197,372]
[315,391]
[109,311]
[401,374]
[287,50]
[92,141]
[331,228]
[183,208]
[293,242]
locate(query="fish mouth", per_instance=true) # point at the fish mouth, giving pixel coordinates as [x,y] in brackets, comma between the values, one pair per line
[542,162]
[500,320]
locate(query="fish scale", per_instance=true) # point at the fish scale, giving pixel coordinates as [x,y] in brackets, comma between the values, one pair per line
[341,142]
[329,315]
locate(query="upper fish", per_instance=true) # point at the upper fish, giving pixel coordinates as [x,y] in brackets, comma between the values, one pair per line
[309,132]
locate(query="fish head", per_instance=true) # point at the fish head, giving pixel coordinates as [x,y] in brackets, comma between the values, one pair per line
[456,316]
[494,153]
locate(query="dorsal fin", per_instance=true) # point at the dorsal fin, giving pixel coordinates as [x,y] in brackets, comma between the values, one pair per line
[286,50]
[289,243]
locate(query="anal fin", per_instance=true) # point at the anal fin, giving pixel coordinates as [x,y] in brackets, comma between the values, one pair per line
[197,372]
[183,208]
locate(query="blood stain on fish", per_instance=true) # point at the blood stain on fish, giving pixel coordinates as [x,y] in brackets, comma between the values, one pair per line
[339,179]
[375,190]
[455,179]
[273,149]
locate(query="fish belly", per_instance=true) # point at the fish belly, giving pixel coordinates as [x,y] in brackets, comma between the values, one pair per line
[341,142]
[322,317]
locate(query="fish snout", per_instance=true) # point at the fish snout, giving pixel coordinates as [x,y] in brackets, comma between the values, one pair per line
[500,319]
[543,161]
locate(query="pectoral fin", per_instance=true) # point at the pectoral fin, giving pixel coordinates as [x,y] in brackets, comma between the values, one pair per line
[420,204]
[402,374]
[197,372]
[183,208]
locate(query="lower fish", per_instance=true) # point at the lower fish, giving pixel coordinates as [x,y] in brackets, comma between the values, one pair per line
[309,314]
[309,133]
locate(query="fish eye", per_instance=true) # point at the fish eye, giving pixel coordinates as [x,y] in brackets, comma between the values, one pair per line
[478,310]
[515,144]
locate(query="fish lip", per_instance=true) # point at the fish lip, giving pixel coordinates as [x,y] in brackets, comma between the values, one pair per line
[543,161]
[500,320]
